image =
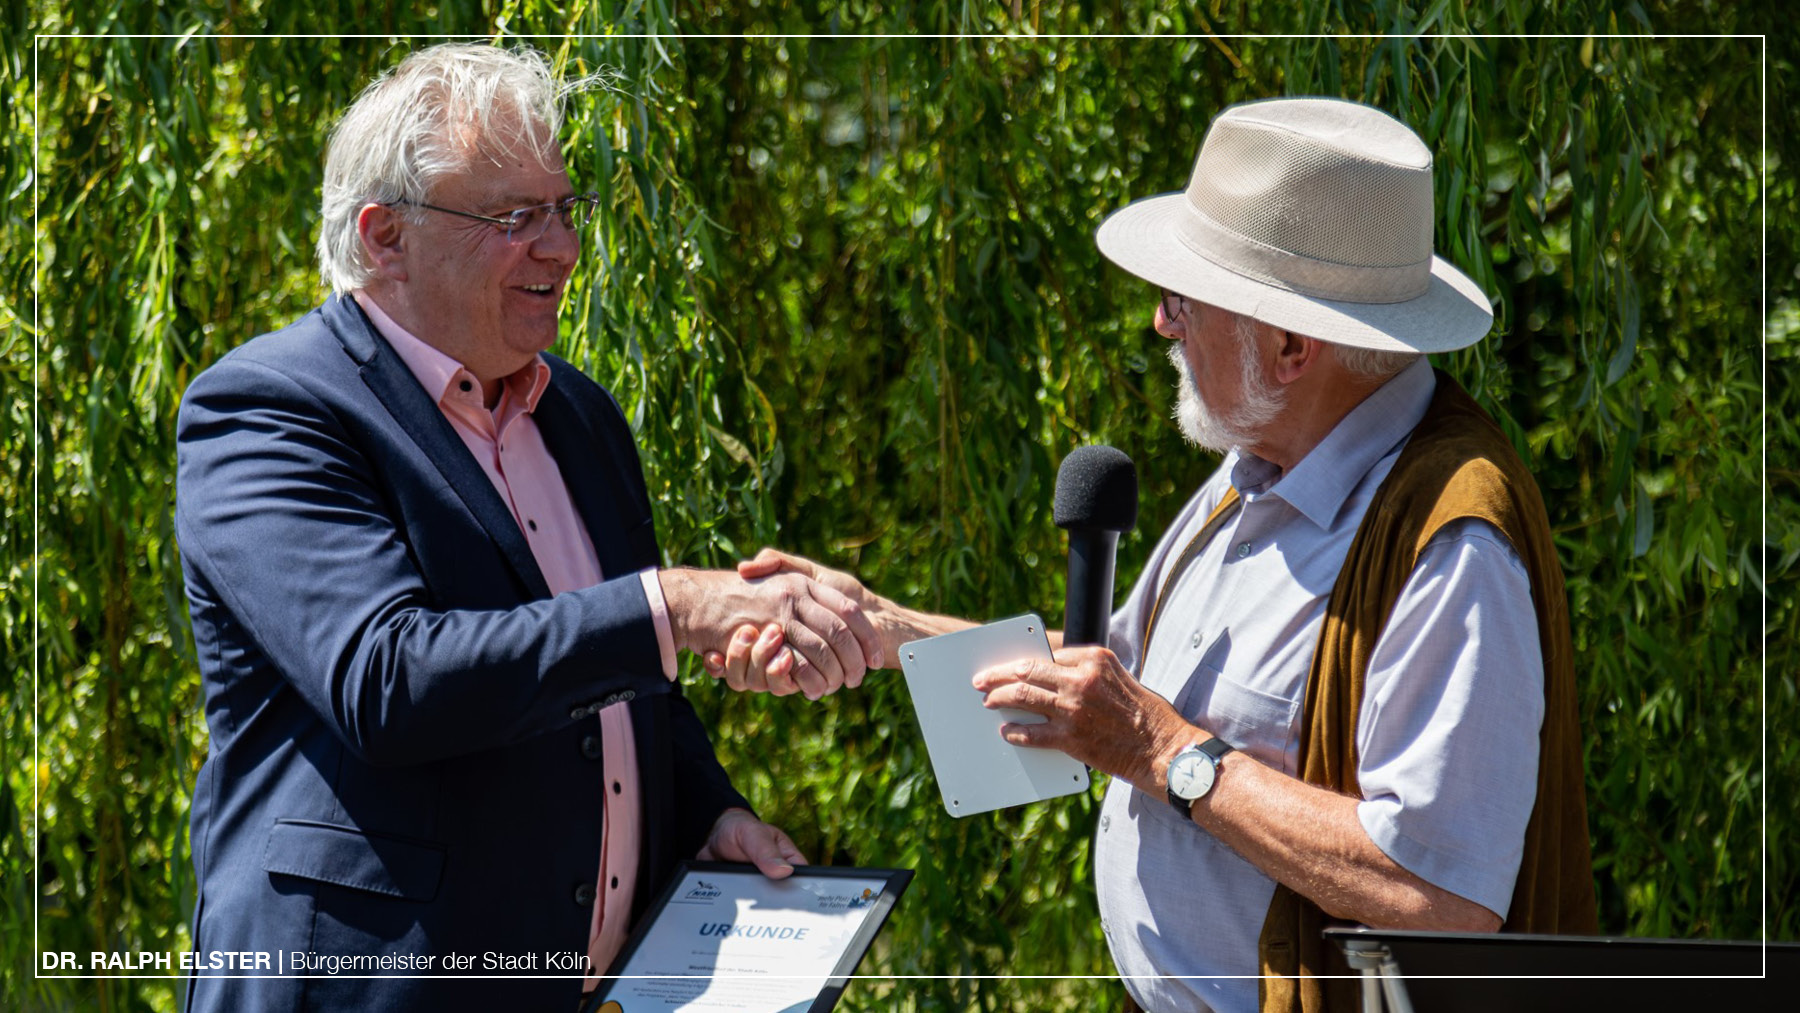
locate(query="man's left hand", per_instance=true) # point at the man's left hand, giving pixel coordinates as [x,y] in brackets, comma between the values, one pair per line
[1097,713]
[739,836]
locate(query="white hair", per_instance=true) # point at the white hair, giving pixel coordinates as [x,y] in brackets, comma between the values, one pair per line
[1372,363]
[424,120]
[1260,401]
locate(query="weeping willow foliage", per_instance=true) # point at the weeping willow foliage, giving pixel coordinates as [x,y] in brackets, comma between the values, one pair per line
[847,292]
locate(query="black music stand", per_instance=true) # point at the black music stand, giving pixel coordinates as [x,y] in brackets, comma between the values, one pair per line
[1433,972]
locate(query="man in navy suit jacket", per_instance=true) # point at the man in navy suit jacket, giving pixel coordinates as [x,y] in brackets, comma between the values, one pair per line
[436,649]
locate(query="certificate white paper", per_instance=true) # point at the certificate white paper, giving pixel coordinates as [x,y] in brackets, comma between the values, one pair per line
[724,937]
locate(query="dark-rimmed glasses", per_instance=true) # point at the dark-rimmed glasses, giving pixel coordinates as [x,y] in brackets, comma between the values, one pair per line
[527,225]
[1174,304]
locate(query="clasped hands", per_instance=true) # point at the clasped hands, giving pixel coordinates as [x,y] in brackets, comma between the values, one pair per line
[783,658]
[1096,710]
[821,637]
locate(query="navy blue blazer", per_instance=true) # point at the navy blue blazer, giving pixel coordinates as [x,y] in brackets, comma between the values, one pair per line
[404,756]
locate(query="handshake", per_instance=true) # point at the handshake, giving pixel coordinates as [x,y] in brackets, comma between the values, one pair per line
[790,625]
[784,624]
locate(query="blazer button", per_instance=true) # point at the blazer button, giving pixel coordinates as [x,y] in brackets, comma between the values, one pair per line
[590,747]
[584,895]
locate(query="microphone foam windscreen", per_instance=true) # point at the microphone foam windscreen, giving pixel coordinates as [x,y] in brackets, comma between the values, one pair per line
[1096,487]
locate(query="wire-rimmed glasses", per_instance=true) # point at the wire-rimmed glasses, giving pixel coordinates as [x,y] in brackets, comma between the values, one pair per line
[528,224]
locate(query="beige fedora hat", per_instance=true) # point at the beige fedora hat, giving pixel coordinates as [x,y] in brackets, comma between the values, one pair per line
[1313,215]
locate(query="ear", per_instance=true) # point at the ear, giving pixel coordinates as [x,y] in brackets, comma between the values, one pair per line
[1295,355]
[383,235]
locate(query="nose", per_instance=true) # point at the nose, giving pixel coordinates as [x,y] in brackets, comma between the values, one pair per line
[560,242]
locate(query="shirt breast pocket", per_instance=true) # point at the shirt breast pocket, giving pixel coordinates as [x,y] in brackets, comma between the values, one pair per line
[1262,724]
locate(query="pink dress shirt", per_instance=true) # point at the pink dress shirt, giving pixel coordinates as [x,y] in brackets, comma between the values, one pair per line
[507,444]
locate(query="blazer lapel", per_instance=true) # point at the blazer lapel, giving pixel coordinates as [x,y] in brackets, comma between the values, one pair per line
[590,471]
[393,384]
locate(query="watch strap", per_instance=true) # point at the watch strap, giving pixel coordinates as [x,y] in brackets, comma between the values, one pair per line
[1214,749]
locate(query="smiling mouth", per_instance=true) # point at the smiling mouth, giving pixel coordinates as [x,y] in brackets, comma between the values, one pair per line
[539,289]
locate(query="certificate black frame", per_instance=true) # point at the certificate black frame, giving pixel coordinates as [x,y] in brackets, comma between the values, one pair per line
[895,880]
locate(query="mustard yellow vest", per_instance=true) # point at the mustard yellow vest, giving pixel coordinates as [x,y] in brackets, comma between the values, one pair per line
[1457,464]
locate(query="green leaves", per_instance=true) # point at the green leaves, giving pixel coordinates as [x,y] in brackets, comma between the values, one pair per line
[846,291]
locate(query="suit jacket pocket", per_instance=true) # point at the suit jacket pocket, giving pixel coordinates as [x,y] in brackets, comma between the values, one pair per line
[379,863]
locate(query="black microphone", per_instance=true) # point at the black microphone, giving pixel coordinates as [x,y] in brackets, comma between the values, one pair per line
[1096,499]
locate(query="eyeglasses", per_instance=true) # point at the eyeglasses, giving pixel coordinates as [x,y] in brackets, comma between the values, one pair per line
[1174,304]
[527,225]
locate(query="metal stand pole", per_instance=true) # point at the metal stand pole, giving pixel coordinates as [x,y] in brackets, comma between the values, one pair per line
[1380,977]
[1394,986]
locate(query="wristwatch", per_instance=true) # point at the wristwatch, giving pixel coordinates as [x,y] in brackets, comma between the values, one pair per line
[1193,771]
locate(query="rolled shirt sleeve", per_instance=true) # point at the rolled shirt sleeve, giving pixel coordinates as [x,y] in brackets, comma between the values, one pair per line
[1452,706]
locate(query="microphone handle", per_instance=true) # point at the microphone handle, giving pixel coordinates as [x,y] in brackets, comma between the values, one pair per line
[1088,603]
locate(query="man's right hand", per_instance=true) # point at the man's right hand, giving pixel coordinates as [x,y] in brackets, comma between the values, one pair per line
[832,641]
[769,562]
[755,654]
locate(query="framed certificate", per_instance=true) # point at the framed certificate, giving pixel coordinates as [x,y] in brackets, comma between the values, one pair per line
[723,937]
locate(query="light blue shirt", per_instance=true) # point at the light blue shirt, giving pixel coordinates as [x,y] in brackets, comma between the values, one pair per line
[1447,737]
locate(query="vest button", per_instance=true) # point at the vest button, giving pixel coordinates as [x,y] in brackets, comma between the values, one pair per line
[1243,549]
[590,747]
[584,895]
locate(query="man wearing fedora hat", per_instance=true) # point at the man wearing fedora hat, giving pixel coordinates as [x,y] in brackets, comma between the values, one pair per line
[1343,687]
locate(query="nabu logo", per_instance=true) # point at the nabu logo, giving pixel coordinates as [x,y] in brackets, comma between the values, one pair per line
[703,891]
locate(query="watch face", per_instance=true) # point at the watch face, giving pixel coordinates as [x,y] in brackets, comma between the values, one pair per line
[1190,776]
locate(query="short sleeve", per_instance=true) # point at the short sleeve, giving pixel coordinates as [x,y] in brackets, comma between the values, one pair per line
[1452,706]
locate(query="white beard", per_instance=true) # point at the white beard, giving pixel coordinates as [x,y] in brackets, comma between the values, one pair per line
[1260,402]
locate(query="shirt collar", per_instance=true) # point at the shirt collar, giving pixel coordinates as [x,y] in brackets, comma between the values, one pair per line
[443,377]
[1318,486]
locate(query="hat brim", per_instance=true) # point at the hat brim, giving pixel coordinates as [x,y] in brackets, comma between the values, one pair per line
[1453,313]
